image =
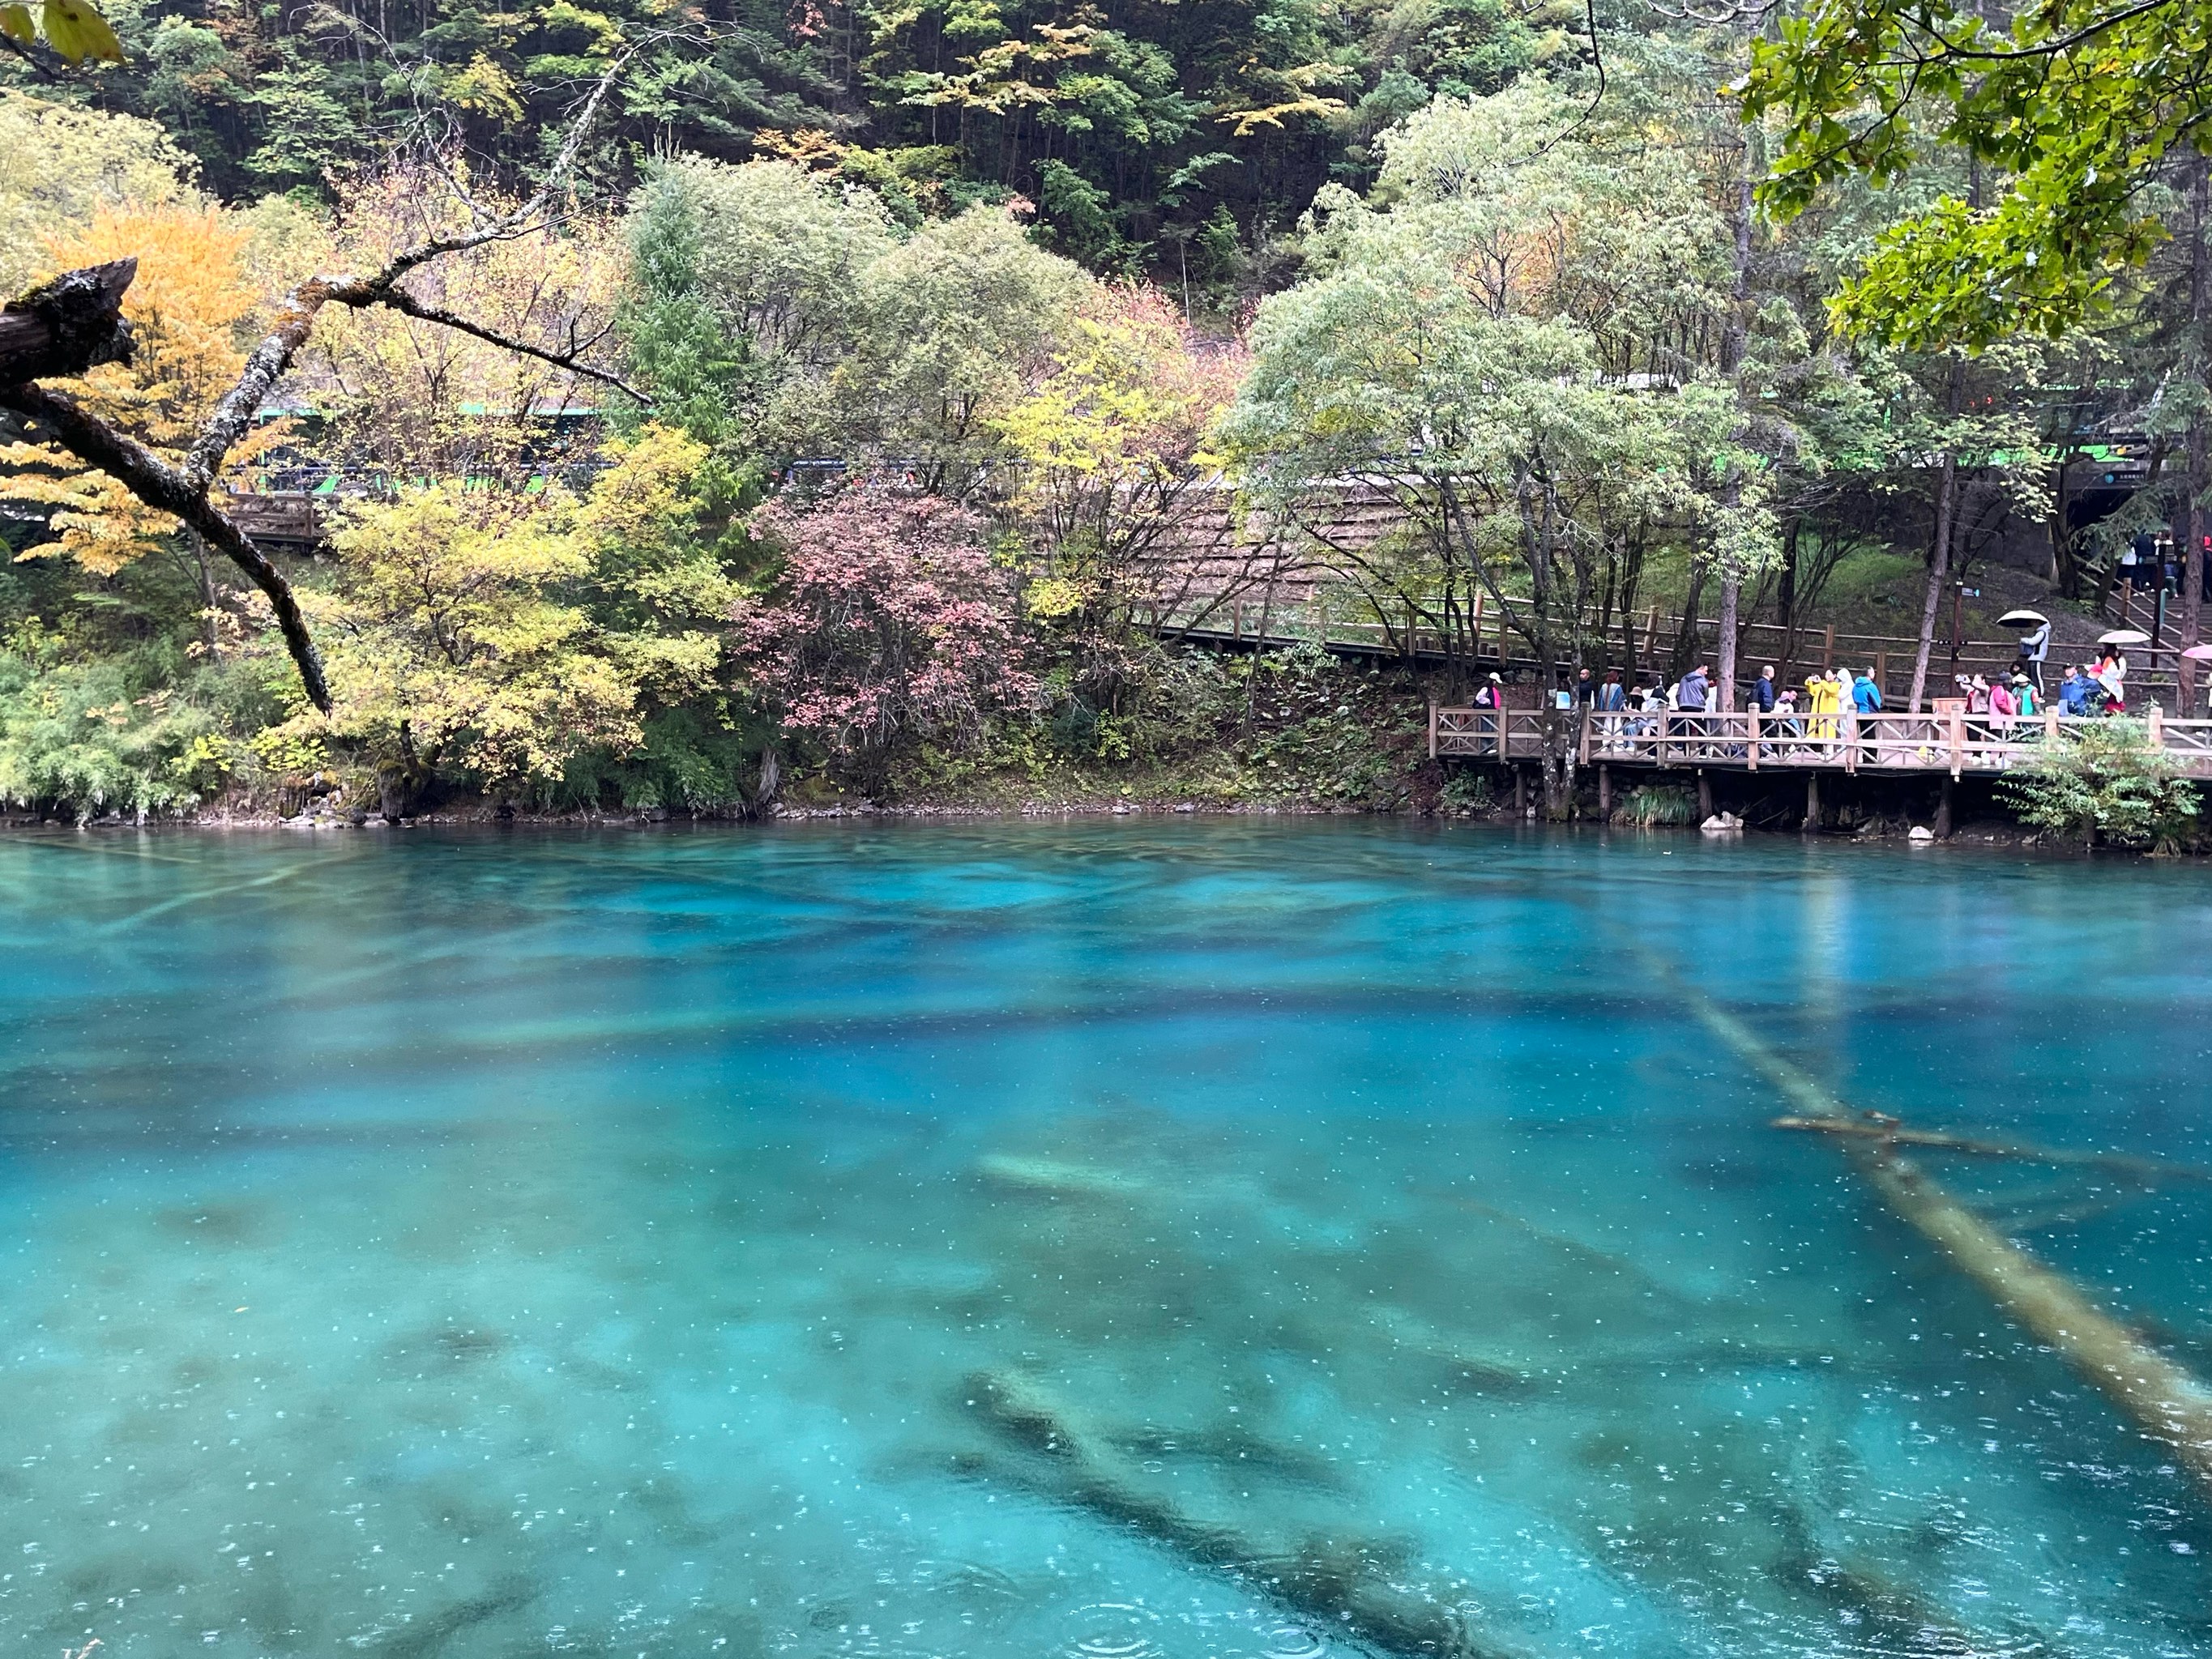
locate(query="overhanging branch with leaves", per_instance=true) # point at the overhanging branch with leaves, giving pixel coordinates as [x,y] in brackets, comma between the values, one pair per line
[76,322]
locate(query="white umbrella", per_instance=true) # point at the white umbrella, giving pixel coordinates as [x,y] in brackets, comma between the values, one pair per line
[2023,619]
[2124,636]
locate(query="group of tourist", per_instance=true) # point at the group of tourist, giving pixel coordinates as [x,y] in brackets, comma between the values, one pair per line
[1813,714]
[2153,560]
[1651,706]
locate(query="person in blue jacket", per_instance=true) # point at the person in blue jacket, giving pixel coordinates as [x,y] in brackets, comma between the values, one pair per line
[1866,696]
[2074,692]
[1612,699]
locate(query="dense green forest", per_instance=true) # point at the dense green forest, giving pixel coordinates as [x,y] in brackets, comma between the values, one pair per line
[832,401]
[1150,137]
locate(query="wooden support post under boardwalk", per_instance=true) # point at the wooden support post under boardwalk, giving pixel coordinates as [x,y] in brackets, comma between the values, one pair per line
[1704,796]
[1812,803]
[1944,812]
[1432,728]
[1520,788]
[1605,794]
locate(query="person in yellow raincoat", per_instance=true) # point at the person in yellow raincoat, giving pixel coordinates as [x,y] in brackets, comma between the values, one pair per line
[1820,689]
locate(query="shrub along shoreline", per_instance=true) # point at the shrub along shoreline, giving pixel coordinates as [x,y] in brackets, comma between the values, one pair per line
[1292,733]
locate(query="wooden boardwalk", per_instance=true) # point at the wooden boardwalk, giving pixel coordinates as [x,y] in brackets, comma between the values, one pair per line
[1949,742]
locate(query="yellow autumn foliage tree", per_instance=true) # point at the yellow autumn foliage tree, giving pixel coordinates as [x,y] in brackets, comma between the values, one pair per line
[1109,441]
[191,309]
[501,634]
[59,164]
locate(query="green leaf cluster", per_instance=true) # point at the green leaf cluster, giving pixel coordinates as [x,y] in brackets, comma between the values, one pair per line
[2069,113]
[2102,781]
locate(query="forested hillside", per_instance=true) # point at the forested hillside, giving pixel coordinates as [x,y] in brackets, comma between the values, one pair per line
[697,405]
[1165,135]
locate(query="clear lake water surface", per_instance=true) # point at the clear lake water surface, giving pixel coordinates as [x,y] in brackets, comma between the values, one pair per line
[1110,1240]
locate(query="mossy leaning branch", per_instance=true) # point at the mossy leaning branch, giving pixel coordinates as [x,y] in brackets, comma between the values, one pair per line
[2166,1402]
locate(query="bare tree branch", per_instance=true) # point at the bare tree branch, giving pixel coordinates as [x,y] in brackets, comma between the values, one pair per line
[295,317]
[170,489]
[405,303]
[38,65]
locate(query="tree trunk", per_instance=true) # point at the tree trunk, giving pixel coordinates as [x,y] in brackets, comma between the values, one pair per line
[1260,652]
[1939,557]
[1789,597]
[197,542]
[67,325]
[1939,567]
[2196,480]
[1733,346]
[1724,656]
[1630,576]
[1687,642]
[1732,356]
[2065,574]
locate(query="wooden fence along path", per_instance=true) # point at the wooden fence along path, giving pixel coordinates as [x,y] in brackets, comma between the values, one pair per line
[1949,740]
[1638,644]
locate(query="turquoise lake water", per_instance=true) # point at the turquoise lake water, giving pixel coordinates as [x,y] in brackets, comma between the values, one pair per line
[1101,1241]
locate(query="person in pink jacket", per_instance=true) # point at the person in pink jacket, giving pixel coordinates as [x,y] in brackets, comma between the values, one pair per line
[2003,706]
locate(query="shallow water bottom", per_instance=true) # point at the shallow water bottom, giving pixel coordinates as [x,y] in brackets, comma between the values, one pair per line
[1116,1241]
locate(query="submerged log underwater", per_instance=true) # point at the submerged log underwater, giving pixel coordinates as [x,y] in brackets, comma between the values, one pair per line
[1344,1581]
[2166,1402]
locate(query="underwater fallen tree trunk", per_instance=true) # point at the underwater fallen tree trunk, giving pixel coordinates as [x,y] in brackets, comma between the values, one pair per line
[1344,1582]
[2165,1401]
[1880,1126]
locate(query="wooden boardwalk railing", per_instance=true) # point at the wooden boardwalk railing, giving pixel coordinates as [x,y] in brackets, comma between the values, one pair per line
[1641,643]
[1948,741]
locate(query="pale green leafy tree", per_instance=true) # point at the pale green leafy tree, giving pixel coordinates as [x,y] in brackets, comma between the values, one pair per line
[958,323]
[1491,341]
[837,336]
[1619,226]
[1520,472]
[773,254]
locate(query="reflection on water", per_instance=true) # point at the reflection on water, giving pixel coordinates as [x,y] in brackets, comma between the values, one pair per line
[1109,1241]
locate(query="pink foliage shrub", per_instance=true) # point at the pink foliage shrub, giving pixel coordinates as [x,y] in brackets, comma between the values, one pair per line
[889,623]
